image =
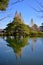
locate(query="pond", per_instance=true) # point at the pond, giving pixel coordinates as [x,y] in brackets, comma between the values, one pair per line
[21,51]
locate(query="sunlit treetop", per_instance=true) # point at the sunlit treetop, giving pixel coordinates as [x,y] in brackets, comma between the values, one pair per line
[3,4]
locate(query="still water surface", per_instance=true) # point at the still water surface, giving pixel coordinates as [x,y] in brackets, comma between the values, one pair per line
[21,51]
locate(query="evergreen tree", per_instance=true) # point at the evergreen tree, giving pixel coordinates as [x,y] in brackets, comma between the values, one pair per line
[17,26]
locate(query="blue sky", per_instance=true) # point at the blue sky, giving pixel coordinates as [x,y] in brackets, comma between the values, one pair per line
[26,8]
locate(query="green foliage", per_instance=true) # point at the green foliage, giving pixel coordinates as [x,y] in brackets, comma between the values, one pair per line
[3,4]
[17,25]
[17,43]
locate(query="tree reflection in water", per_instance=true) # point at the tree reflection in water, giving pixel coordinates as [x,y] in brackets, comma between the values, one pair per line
[33,40]
[17,44]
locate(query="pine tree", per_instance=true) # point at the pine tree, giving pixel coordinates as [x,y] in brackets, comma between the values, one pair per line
[3,4]
[17,26]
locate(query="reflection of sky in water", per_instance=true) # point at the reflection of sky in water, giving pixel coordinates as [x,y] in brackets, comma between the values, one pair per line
[31,54]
